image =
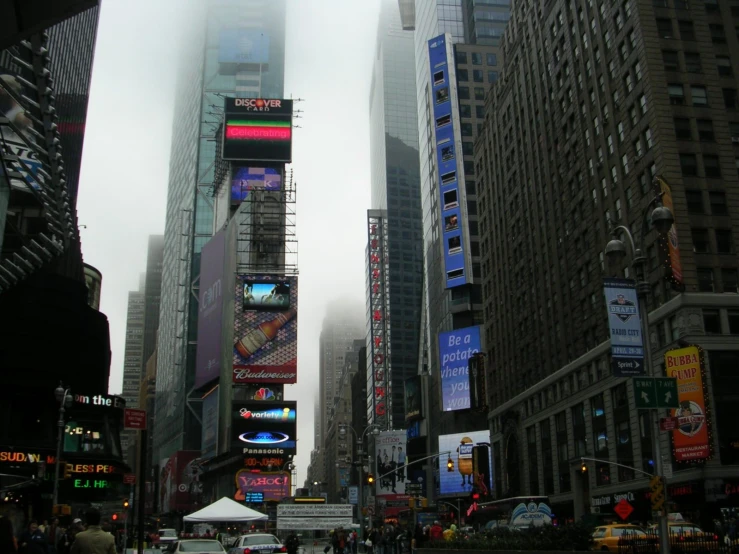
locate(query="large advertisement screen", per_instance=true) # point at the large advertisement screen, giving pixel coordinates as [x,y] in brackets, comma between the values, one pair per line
[264,428]
[390,463]
[262,487]
[690,439]
[240,45]
[455,350]
[210,311]
[450,172]
[266,329]
[246,179]
[258,130]
[473,465]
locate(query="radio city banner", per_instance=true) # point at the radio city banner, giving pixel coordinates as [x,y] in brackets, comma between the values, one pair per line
[269,486]
[210,311]
[258,130]
[455,350]
[266,329]
[690,438]
[391,477]
[627,347]
[262,429]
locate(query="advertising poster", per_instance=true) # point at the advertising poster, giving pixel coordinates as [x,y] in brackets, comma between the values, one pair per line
[266,329]
[262,429]
[210,316]
[690,439]
[451,174]
[670,243]
[180,488]
[246,179]
[242,46]
[209,443]
[269,486]
[455,350]
[627,348]
[413,399]
[391,476]
[473,465]
[258,130]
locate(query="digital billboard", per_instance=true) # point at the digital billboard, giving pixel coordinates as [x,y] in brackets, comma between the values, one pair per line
[266,329]
[456,348]
[210,310]
[246,179]
[258,130]
[413,402]
[473,464]
[269,486]
[264,429]
[242,45]
[450,170]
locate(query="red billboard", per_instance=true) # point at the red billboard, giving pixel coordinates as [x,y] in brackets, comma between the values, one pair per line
[179,484]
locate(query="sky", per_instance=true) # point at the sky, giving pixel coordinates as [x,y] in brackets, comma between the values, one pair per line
[125,164]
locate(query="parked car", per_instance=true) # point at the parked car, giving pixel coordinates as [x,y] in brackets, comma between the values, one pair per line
[688,537]
[196,546]
[607,537]
[257,543]
[165,537]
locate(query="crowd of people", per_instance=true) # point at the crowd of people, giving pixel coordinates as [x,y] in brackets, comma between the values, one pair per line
[94,537]
[392,539]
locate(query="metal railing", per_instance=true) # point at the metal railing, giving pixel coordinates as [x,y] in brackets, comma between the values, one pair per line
[680,543]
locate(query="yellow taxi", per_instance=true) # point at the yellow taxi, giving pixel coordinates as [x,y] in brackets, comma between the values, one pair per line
[606,537]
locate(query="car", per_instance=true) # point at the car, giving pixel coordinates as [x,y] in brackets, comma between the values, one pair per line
[257,543]
[196,546]
[688,537]
[607,537]
[165,537]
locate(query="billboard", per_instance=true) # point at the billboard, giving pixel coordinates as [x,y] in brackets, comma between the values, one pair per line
[262,487]
[669,243]
[455,350]
[266,329]
[413,409]
[264,429]
[690,439]
[240,45]
[179,485]
[473,465]
[210,311]
[209,441]
[450,171]
[258,129]
[390,465]
[627,346]
[245,179]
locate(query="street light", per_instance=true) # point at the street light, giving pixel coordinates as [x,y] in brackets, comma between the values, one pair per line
[360,439]
[661,219]
[65,401]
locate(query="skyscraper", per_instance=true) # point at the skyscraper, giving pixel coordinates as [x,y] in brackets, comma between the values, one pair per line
[133,359]
[602,111]
[208,72]
[152,296]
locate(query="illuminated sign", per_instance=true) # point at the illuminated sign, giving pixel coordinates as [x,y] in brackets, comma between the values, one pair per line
[669,247]
[456,348]
[379,294]
[271,486]
[258,129]
[92,484]
[258,430]
[246,179]
[25,457]
[101,400]
[278,414]
[92,468]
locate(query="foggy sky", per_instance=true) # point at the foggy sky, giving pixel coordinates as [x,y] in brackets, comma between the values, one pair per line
[125,166]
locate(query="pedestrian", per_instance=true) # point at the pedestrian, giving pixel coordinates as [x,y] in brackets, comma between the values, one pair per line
[94,540]
[292,543]
[7,537]
[419,536]
[33,540]
[436,533]
[53,534]
[354,541]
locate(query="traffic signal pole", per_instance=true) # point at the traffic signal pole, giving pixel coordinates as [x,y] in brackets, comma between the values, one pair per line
[141,481]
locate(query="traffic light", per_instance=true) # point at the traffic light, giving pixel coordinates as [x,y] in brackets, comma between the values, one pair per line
[114,517]
[450,465]
[125,504]
[370,479]
[67,471]
[411,503]
[583,467]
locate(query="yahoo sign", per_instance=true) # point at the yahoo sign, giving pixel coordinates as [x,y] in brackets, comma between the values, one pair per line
[455,350]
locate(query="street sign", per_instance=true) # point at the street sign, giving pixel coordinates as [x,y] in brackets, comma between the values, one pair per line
[134,419]
[655,392]
[353,494]
[129,478]
[657,498]
[623,509]
[667,423]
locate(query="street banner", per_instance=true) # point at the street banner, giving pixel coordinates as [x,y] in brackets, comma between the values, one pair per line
[624,323]
[314,510]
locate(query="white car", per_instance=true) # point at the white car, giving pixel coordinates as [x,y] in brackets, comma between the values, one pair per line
[257,543]
[198,546]
[166,537]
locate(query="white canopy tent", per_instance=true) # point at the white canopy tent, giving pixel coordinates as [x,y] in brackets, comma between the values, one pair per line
[225,510]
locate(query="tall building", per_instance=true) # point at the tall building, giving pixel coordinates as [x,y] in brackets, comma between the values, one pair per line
[133,360]
[396,189]
[152,296]
[599,108]
[208,72]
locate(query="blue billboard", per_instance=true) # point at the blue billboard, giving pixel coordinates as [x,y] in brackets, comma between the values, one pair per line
[624,323]
[455,350]
[451,194]
[472,463]
[241,45]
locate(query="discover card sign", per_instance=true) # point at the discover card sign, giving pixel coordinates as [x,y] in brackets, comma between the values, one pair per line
[455,350]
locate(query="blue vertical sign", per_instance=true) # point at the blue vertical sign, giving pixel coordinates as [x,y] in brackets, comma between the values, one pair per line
[624,323]
[451,195]
[455,350]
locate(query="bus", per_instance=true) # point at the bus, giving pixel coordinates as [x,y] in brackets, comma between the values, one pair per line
[534,510]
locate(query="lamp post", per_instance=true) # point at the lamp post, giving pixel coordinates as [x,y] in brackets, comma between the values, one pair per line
[662,220]
[65,401]
[360,441]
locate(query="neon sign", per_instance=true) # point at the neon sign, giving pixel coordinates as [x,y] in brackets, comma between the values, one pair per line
[379,293]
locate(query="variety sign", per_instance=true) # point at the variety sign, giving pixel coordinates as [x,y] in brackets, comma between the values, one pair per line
[627,347]
[456,348]
[379,295]
[470,453]
[690,439]
[258,129]
[260,429]
[210,311]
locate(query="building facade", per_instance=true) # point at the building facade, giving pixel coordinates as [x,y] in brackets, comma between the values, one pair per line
[152,296]
[593,103]
[133,359]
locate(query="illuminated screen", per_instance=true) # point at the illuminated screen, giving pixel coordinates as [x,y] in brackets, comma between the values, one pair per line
[266,295]
[258,129]
[472,463]
[257,430]
[245,179]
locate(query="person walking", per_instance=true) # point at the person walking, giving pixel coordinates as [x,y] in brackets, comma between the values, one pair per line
[33,540]
[7,537]
[94,540]
[292,543]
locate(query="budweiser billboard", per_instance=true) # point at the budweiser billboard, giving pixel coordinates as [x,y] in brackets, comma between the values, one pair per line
[243,375]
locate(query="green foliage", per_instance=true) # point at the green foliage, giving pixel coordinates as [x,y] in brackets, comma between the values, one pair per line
[545,538]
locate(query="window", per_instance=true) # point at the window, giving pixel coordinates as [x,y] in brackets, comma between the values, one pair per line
[643,104]
[476,58]
[711,5]
[699,95]
[694,199]
[637,71]
[682,5]
[468,148]
[724,66]
[670,59]
[734,131]
[688,164]
[693,62]
[492,59]
[465,110]
[711,321]
[492,76]
[638,150]
[609,141]
[628,83]
[464,93]
[686,30]
[624,51]
[477,75]
[729,97]
[676,94]
[462,75]
[682,128]
[664,27]
[705,129]
[718,203]
[700,241]
[733,322]
[620,128]
[718,35]
[467,130]
[480,112]
[723,241]
[705,279]
[461,57]
[711,166]
[730,280]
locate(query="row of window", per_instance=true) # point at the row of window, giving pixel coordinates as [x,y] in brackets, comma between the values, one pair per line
[490,59]
[692,63]
[478,76]
[702,244]
[665,29]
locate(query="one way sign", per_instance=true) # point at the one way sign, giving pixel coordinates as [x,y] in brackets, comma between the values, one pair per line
[655,392]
